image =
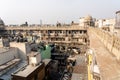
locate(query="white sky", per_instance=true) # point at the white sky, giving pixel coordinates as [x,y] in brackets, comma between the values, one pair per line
[51,11]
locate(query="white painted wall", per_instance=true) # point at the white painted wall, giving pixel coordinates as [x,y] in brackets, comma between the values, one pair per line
[81,21]
[23,49]
[8,55]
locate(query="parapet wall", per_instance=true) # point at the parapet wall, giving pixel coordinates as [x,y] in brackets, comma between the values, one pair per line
[23,49]
[8,55]
[110,40]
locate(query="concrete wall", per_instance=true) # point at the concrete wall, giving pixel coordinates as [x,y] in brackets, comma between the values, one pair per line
[23,49]
[8,55]
[1,42]
[110,40]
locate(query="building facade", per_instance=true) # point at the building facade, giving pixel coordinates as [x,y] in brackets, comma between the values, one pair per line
[66,36]
[107,24]
[117,25]
[86,21]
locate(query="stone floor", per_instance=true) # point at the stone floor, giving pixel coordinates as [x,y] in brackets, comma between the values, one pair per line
[109,67]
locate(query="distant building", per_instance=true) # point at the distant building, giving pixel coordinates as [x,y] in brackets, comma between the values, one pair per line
[26,24]
[86,21]
[74,24]
[106,24]
[117,25]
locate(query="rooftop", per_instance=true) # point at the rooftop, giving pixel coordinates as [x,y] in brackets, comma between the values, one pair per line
[26,71]
[2,49]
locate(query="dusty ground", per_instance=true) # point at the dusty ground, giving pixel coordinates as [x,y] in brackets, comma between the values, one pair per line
[80,70]
[109,67]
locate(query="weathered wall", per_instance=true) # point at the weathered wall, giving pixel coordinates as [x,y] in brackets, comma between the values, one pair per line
[23,49]
[110,40]
[8,55]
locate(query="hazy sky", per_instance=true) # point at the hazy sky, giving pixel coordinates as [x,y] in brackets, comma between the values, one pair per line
[51,11]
